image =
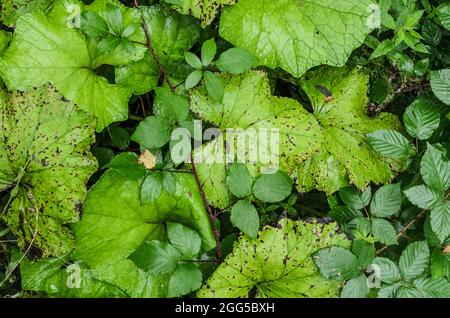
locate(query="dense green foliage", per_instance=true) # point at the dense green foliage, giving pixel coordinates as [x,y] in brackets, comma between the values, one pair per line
[129,165]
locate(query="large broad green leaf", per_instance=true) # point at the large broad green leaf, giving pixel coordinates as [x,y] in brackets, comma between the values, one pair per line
[279,263]
[172,34]
[326,150]
[45,160]
[345,157]
[205,10]
[115,223]
[249,106]
[122,279]
[297,35]
[45,49]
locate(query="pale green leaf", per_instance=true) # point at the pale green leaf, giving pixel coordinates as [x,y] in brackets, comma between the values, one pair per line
[236,61]
[193,79]
[45,160]
[69,67]
[208,51]
[297,35]
[278,264]
[423,196]
[214,86]
[345,157]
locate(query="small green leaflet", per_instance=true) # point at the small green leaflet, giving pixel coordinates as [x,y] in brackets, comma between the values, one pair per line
[45,161]
[113,208]
[172,34]
[421,119]
[122,279]
[279,263]
[205,10]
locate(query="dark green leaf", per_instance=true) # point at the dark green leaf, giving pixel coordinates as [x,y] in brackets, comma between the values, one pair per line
[435,169]
[337,263]
[209,50]
[384,232]
[364,251]
[236,61]
[386,270]
[214,86]
[151,187]
[120,138]
[184,239]
[387,201]
[423,197]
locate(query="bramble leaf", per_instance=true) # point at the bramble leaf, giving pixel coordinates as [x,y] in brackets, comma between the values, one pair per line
[113,208]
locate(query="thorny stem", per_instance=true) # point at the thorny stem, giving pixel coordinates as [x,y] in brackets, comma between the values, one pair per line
[409,225]
[211,213]
[152,50]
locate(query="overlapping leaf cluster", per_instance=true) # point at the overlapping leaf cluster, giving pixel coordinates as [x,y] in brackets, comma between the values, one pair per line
[350,200]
